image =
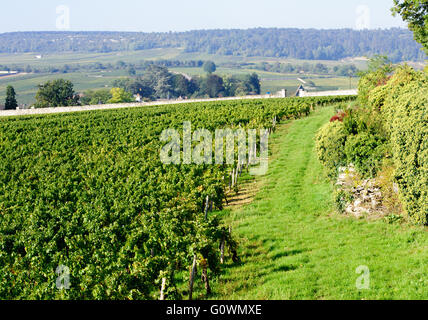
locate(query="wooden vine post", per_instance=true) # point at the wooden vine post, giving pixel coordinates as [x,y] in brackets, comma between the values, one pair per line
[236,177]
[250,157]
[233,250]
[205,280]
[233,178]
[193,271]
[162,293]
[222,251]
[207,206]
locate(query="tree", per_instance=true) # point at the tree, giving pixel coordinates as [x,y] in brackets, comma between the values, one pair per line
[320,68]
[164,88]
[120,64]
[120,96]
[181,85]
[209,67]
[160,80]
[56,93]
[212,86]
[254,83]
[142,87]
[230,84]
[11,103]
[380,62]
[28,69]
[415,13]
[125,84]
[92,97]
[132,71]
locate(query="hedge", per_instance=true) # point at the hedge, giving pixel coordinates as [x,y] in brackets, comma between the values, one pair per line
[330,144]
[404,105]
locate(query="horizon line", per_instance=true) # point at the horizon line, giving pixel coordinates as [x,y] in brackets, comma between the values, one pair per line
[213,29]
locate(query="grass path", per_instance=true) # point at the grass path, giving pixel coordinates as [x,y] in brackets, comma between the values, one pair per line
[293,245]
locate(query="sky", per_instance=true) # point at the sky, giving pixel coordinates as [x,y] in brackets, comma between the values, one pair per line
[183,15]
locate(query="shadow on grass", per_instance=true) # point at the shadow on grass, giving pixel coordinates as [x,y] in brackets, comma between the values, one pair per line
[289,253]
[285,268]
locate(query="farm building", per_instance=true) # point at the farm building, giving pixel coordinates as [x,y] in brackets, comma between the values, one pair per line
[300,91]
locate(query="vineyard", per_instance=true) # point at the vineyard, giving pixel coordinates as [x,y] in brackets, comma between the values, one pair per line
[88,191]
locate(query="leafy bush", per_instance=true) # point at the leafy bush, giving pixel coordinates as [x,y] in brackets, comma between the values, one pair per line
[393,218]
[338,117]
[403,105]
[406,114]
[342,198]
[377,75]
[386,181]
[353,124]
[366,152]
[119,95]
[330,142]
[92,97]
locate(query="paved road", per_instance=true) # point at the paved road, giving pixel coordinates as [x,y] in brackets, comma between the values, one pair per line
[25,112]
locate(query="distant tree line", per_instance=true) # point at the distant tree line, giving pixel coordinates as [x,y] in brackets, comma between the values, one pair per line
[97,66]
[134,68]
[308,44]
[318,68]
[158,82]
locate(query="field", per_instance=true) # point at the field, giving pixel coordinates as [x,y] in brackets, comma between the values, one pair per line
[26,85]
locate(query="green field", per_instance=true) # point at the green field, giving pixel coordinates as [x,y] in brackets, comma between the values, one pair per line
[26,85]
[294,246]
[84,58]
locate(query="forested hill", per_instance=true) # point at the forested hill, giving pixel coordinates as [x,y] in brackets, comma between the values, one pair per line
[310,44]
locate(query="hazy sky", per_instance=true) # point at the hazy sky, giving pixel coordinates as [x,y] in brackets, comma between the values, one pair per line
[181,15]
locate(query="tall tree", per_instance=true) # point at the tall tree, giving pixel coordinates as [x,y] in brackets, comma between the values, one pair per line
[181,85]
[213,86]
[254,83]
[209,67]
[132,71]
[11,103]
[380,62]
[415,13]
[56,93]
